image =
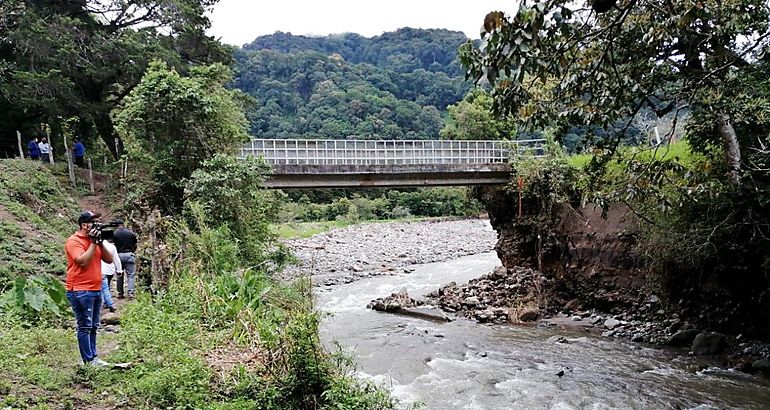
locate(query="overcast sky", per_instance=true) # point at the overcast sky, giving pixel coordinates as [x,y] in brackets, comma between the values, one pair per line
[240,21]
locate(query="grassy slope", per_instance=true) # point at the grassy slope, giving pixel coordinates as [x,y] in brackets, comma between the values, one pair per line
[36,217]
[37,209]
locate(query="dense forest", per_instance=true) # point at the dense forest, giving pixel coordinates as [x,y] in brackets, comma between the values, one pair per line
[404,50]
[394,86]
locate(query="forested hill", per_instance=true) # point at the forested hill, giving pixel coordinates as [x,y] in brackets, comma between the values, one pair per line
[393,86]
[404,50]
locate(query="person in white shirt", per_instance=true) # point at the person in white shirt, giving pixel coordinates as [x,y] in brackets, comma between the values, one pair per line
[45,149]
[108,271]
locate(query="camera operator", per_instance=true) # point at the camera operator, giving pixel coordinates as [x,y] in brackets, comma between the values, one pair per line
[125,242]
[85,253]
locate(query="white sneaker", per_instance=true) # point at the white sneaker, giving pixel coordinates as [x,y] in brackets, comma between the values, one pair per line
[97,362]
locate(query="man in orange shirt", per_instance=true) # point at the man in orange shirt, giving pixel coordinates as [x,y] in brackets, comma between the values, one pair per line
[85,254]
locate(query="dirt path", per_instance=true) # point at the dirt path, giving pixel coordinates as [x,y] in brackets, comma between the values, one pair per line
[99,200]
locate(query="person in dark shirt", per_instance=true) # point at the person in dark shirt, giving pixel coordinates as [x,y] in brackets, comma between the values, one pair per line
[125,242]
[33,149]
[79,152]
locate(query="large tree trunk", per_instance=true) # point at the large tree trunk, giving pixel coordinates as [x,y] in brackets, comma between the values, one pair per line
[732,150]
[107,131]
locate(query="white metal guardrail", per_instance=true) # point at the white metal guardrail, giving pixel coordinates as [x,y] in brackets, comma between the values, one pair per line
[388,152]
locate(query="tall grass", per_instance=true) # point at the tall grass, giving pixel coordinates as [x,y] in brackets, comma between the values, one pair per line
[679,151]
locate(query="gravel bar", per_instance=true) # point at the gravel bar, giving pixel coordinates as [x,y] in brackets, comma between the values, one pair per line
[373,249]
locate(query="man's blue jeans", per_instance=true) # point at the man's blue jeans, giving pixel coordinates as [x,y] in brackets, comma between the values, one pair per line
[86,304]
[128,260]
[106,295]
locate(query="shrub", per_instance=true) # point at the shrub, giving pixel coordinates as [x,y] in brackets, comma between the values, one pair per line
[546,182]
[229,192]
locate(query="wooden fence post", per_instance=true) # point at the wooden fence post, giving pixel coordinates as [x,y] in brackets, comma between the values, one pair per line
[50,149]
[69,161]
[91,175]
[21,149]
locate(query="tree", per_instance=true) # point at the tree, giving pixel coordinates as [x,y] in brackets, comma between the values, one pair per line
[473,119]
[61,59]
[172,124]
[606,65]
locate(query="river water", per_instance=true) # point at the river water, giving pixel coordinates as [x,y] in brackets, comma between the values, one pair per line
[466,365]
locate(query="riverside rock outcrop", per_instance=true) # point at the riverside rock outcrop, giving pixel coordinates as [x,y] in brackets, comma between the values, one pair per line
[503,295]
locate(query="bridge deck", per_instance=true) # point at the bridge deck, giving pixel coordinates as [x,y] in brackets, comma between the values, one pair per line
[347,176]
[370,163]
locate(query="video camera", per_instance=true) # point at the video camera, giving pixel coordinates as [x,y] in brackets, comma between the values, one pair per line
[106,229]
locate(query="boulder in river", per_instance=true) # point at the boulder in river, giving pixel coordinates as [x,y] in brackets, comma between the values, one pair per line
[682,337]
[611,323]
[529,314]
[401,303]
[709,343]
[424,312]
[394,302]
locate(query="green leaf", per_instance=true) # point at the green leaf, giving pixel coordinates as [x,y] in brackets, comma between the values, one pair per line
[35,298]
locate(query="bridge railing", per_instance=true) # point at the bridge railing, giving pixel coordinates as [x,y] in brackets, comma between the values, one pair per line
[388,152]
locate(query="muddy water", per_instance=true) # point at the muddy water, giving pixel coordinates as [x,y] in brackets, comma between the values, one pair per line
[465,365]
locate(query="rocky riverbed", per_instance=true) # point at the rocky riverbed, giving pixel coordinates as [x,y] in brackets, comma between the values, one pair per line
[521,295]
[365,250]
[502,296]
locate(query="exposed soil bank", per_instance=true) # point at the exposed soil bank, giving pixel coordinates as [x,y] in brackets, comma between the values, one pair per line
[591,273]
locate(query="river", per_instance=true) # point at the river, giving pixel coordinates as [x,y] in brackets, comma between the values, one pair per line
[466,365]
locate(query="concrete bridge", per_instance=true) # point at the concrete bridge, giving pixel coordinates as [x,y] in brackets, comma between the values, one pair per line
[388,163]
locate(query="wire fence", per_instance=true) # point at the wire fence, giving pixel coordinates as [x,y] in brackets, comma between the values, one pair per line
[388,152]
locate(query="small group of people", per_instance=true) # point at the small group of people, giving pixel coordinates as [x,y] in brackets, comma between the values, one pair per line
[92,261]
[38,148]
